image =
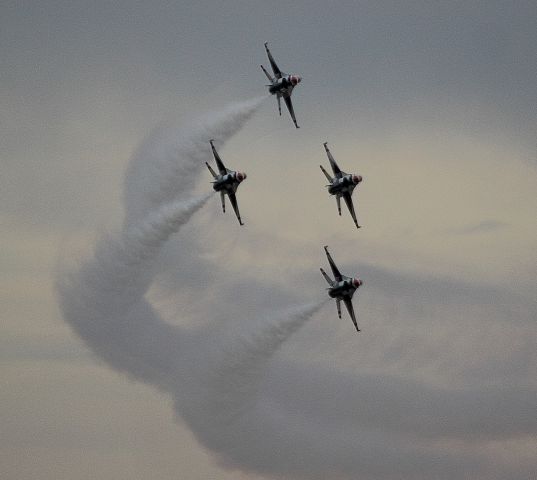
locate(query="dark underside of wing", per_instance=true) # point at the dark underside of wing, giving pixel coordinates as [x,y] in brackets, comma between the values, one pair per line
[348,200]
[275,69]
[350,309]
[335,167]
[234,204]
[221,168]
[335,270]
[289,104]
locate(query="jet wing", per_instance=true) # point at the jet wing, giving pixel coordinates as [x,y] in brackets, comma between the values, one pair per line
[221,168]
[275,69]
[233,200]
[335,270]
[348,200]
[287,99]
[350,309]
[335,168]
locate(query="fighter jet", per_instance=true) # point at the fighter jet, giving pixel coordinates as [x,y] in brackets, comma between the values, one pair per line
[226,182]
[281,85]
[342,288]
[342,185]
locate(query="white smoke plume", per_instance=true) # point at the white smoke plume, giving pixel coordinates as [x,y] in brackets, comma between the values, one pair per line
[235,378]
[251,409]
[104,299]
[104,302]
[169,161]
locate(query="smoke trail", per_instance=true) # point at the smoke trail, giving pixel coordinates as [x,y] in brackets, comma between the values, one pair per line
[144,241]
[235,380]
[168,162]
[104,300]
[301,422]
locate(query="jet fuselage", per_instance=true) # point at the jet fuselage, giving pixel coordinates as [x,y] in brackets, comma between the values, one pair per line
[345,288]
[228,182]
[347,183]
[282,85]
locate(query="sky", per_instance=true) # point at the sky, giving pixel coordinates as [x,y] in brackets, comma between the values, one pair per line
[433,103]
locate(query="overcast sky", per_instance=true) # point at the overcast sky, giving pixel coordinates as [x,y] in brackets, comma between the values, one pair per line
[433,103]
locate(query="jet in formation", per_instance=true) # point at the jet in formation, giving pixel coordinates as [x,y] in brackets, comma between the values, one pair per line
[281,85]
[341,185]
[226,182]
[342,288]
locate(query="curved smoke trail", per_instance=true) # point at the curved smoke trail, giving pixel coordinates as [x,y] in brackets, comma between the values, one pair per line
[303,422]
[104,302]
[169,161]
[235,379]
[104,299]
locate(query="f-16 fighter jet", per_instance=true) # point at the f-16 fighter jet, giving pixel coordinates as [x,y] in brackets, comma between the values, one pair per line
[342,288]
[226,182]
[342,185]
[281,85]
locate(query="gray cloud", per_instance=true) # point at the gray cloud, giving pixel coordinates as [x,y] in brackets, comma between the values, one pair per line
[402,405]
[485,226]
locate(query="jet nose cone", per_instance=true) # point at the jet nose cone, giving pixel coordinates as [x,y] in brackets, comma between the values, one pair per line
[295,79]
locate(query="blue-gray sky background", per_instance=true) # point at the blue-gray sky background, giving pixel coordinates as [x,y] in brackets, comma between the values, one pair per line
[433,103]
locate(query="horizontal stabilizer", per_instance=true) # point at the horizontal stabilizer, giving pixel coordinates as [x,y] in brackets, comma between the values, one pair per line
[326,175]
[326,277]
[213,173]
[268,76]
